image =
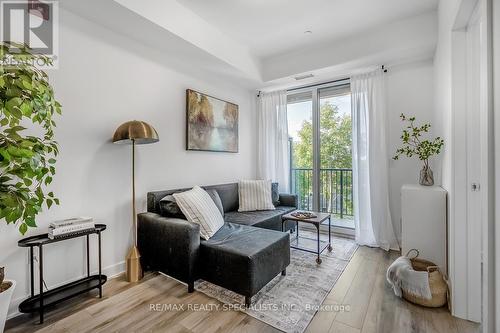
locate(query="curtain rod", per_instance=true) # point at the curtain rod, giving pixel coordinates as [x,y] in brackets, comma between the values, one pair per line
[384,69]
[310,86]
[318,84]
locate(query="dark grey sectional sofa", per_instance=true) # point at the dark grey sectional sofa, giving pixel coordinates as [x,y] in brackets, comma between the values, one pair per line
[243,256]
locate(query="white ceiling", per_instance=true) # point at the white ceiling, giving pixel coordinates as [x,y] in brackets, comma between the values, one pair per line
[261,43]
[273,27]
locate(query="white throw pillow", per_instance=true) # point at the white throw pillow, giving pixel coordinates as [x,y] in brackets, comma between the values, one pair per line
[198,207]
[255,195]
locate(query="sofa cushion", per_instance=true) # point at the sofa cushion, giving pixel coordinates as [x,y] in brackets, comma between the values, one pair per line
[199,208]
[228,194]
[270,219]
[170,208]
[275,192]
[255,256]
[216,198]
[255,195]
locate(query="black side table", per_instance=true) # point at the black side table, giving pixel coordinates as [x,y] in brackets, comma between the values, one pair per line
[38,303]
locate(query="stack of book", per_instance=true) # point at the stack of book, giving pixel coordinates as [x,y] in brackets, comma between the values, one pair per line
[70,227]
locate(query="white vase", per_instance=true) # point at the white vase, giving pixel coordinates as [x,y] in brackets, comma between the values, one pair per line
[5,297]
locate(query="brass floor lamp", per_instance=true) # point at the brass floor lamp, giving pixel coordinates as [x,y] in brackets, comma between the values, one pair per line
[134,133]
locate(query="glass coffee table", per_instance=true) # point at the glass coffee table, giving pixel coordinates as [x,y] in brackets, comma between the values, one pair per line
[316,221]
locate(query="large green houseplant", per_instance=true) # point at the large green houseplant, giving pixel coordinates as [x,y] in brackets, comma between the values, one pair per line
[27,154]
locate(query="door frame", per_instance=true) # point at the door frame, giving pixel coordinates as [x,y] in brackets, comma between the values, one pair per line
[494,27]
[463,247]
[316,125]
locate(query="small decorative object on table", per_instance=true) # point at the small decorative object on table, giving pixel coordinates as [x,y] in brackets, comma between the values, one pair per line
[303,215]
[72,226]
[423,149]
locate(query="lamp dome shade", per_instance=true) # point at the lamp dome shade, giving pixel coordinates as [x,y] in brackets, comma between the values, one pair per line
[138,131]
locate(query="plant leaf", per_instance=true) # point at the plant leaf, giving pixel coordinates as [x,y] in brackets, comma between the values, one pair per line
[23,228]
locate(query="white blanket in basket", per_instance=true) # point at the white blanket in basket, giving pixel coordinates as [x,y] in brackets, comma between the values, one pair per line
[402,276]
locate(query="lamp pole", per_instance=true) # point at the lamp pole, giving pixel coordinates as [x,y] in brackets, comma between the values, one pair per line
[134,132]
[134,270]
[134,215]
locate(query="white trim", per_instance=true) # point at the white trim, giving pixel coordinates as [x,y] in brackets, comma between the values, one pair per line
[494,28]
[477,203]
[323,230]
[316,123]
[488,169]
[458,189]
[337,231]
[346,232]
[457,249]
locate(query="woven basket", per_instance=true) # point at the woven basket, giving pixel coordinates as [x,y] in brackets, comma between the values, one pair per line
[437,284]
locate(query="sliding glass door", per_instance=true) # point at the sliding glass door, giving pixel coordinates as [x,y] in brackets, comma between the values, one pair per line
[299,114]
[320,130]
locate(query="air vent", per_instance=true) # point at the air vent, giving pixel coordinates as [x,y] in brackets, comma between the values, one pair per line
[302,77]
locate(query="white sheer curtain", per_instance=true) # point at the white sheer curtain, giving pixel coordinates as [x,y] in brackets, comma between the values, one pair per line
[370,162]
[272,141]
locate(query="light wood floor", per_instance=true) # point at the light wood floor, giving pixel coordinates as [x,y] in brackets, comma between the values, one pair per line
[372,308]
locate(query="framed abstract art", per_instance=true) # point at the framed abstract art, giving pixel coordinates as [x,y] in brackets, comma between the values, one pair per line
[212,124]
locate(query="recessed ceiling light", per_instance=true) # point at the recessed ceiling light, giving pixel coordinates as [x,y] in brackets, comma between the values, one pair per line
[308,32]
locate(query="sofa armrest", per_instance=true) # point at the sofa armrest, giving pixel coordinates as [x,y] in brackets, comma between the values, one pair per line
[168,245]
[290,200]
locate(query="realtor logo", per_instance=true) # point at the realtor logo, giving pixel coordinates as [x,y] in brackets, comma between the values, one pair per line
[33,23]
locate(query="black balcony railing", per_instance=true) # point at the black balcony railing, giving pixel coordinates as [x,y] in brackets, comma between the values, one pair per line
[336,194]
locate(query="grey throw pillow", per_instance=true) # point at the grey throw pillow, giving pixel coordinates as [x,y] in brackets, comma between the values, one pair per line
[169,207]
[216,198]
[275,193]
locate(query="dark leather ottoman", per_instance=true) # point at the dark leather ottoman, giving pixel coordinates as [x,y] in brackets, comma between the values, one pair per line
[243,258]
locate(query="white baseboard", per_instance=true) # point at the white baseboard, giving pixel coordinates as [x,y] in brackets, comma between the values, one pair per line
[336,231]
[110,271]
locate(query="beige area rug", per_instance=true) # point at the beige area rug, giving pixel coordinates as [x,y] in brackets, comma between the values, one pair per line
[290,302]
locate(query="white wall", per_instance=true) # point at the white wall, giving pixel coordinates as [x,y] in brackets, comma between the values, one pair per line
[103,80]
[410,90]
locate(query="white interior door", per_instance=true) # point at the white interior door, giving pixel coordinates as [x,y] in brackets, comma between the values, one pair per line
[471,214]
[475,161]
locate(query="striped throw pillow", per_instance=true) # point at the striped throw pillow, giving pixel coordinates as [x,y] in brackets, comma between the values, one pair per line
[255,195]
[199,208]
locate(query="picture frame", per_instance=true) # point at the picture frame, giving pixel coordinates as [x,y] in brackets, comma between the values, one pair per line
[212,124]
